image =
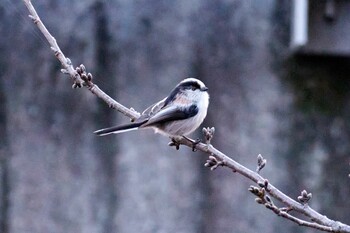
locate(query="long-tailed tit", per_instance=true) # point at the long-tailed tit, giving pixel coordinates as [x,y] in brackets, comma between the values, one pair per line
[179,114]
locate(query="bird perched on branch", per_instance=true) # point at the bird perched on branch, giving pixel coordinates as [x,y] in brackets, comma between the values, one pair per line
[179,114]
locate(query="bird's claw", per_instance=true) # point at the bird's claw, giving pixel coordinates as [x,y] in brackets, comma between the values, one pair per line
[194,142]
[174,143]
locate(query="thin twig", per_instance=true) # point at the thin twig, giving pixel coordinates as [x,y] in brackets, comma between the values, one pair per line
[299,221]
[69,69]
[321,222]
[272,190]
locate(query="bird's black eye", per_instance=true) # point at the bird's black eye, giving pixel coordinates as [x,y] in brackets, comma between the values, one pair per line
[189,86]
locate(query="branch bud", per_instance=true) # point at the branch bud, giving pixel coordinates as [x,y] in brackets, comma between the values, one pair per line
[259,200]
[305,197]
[261,163]
[208,134]
[213,163]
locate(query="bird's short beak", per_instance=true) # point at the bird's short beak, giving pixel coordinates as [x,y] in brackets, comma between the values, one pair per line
[204,89]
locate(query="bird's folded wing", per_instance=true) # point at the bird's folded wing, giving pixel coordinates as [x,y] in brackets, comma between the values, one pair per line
[171,113]
[153,109]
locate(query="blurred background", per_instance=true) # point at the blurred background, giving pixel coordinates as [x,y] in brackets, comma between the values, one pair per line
[278,75]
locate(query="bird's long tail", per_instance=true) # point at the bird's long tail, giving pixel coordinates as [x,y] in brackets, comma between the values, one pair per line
[118,129]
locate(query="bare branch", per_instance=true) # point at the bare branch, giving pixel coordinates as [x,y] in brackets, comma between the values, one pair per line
[73,73]
[216,158]
[264,199]
[273,191]
[282,213]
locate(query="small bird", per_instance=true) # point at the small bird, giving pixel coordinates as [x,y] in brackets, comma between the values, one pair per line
[179,114]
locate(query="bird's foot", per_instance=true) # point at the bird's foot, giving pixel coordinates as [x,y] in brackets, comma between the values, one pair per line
[175,143]
[194,142]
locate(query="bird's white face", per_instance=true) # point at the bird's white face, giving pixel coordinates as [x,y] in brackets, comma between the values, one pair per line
[196,91]
[196,96]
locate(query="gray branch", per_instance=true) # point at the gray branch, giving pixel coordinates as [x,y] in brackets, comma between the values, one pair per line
[78,79]
[216,158]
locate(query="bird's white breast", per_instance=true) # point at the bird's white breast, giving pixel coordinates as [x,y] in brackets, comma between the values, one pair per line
[187,126]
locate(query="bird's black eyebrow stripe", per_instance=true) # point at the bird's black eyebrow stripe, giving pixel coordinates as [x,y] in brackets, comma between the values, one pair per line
[190,84]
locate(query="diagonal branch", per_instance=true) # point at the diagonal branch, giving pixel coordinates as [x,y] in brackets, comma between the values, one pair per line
[216,158]
[78,79]
[282,213]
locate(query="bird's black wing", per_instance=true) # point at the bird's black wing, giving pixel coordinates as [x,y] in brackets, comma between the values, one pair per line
[171,113]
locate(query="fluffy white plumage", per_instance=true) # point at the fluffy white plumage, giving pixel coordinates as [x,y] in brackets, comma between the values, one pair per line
[179,114]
